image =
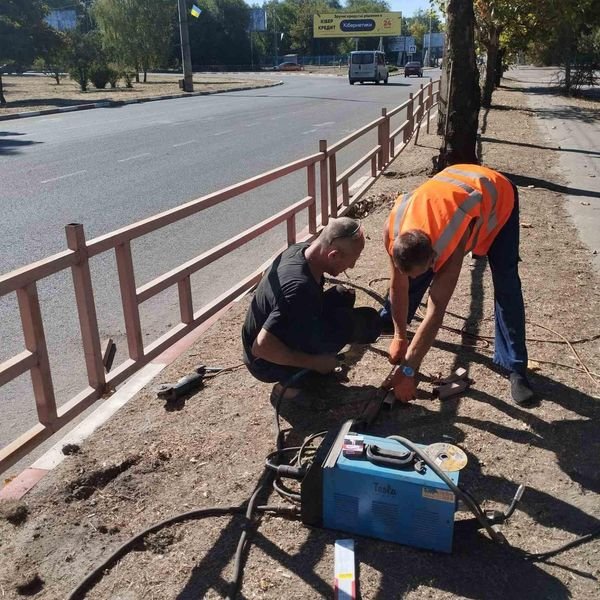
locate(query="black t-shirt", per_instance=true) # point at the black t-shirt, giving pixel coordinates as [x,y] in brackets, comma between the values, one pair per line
[288,303]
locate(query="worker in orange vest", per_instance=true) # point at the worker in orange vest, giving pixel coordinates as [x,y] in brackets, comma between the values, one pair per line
[464,208]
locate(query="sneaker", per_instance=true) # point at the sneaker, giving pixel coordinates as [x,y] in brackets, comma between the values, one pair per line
[520,389]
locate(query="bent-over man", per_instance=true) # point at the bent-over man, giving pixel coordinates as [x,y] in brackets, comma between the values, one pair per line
[464,208]
[292,323]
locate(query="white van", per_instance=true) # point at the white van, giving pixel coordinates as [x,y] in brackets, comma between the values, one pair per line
[367,65]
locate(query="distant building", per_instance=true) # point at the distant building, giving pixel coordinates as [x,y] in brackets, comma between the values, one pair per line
[62,20]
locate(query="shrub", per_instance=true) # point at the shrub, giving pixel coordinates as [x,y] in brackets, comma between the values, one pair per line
[99,76]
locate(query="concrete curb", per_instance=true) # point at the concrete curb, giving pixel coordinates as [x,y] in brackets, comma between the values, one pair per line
[117,103]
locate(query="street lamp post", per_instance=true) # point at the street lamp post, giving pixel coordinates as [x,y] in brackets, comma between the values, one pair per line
[429,38]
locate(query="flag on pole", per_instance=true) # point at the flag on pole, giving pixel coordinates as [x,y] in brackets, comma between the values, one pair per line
[195,12]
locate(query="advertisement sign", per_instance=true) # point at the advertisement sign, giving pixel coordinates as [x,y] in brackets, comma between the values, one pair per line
[436,41]
[356,24]
[62,20]
[400,43]
[258,19]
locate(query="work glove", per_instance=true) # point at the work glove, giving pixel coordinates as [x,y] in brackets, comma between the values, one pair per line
[405,388]
[398,348]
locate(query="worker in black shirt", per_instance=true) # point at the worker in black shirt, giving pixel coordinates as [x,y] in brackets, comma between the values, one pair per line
[292,323]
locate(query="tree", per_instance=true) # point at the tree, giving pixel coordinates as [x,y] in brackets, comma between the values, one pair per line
[459,89]
[136,33]
[23,35]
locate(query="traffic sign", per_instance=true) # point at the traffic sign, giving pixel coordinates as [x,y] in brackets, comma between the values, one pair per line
[412,49]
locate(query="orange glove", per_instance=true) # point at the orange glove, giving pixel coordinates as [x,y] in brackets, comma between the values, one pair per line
[398,348]
[405,388]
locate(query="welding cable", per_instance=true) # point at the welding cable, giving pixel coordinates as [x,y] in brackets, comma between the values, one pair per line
[542,556]
[266,478]
[200,513]
[293,379]
[466,498]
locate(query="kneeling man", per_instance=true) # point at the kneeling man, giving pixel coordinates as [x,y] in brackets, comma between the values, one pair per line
[292,323]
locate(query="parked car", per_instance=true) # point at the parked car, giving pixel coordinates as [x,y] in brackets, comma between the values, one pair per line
[413,68]
[289,66]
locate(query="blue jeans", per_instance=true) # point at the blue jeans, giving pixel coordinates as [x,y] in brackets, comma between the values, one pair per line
[510,351]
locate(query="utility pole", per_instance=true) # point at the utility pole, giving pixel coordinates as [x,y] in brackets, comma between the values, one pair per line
[186,58]
[429,44]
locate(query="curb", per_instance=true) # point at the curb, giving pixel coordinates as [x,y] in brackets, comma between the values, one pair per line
[117,103]
[31,476]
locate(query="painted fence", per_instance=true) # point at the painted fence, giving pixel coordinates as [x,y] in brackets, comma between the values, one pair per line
[322,200]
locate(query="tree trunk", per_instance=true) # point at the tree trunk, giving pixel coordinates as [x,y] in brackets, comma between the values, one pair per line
[145,75]
[490,67]
[2,98]
[459,91]
[500,66]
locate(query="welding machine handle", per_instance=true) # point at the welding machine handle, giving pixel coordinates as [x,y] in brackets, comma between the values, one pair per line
[389,458]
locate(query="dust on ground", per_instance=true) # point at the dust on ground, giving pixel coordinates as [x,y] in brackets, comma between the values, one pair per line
[153,461]
[26,93]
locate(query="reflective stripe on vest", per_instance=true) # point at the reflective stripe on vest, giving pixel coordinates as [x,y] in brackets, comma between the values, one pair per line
[400,210]
[490,188]
[472,200]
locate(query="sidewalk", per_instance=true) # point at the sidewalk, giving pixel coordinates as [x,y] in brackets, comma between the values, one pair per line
[150,462]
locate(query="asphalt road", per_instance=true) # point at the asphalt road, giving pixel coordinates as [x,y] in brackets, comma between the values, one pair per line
[107,168]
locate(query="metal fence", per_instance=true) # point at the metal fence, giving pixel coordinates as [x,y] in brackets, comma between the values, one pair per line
[322,199]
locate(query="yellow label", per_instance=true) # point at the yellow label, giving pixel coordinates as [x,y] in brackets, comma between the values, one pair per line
[345,576]
[440,495]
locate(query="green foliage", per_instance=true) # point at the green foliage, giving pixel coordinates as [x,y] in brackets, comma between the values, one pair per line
[83,51]
[99,75]
[136,34]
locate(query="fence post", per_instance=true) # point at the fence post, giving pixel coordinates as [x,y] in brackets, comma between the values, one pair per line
[419,114]
[86,307]
[333,185]
[410,118]
[186,305]
[383,139]
[429,102]
[291,230]
[312,192]
[35,342]
[131,311]
[324,184]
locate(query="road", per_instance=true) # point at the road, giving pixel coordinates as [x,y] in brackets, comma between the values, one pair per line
[107,168]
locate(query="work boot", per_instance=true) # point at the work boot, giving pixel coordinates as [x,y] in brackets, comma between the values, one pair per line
[520,388]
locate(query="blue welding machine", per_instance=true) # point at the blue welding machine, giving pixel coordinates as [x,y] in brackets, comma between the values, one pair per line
[382,491]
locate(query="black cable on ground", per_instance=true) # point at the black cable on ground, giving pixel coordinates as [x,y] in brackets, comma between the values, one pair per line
[200,513]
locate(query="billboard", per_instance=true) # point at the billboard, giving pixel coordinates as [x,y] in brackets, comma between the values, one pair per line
[400,43]
[258,19]
[63,20]
[356,24]
[437,40]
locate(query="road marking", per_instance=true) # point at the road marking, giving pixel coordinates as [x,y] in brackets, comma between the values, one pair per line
[323,124]
[251,124]
[222,132]
[184,143]
[309,131]
[64,176]
[134,157]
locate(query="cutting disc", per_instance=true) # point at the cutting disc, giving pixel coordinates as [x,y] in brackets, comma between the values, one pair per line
[447,457]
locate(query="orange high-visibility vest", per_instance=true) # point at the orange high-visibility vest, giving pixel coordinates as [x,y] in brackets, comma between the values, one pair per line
[448,203]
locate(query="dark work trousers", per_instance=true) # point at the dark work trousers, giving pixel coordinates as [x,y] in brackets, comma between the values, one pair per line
[344,324]
[510,351]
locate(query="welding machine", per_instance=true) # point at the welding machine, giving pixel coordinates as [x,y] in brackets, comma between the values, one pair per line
[377,487]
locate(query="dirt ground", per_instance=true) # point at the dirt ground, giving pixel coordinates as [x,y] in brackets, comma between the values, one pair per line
[153,461]
[26,93]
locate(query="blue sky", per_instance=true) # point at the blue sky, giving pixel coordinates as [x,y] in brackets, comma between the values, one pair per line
[408,7]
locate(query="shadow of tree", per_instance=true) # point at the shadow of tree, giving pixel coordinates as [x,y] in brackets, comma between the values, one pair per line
[11,146]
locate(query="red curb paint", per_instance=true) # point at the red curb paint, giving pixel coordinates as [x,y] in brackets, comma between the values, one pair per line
[21,484]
